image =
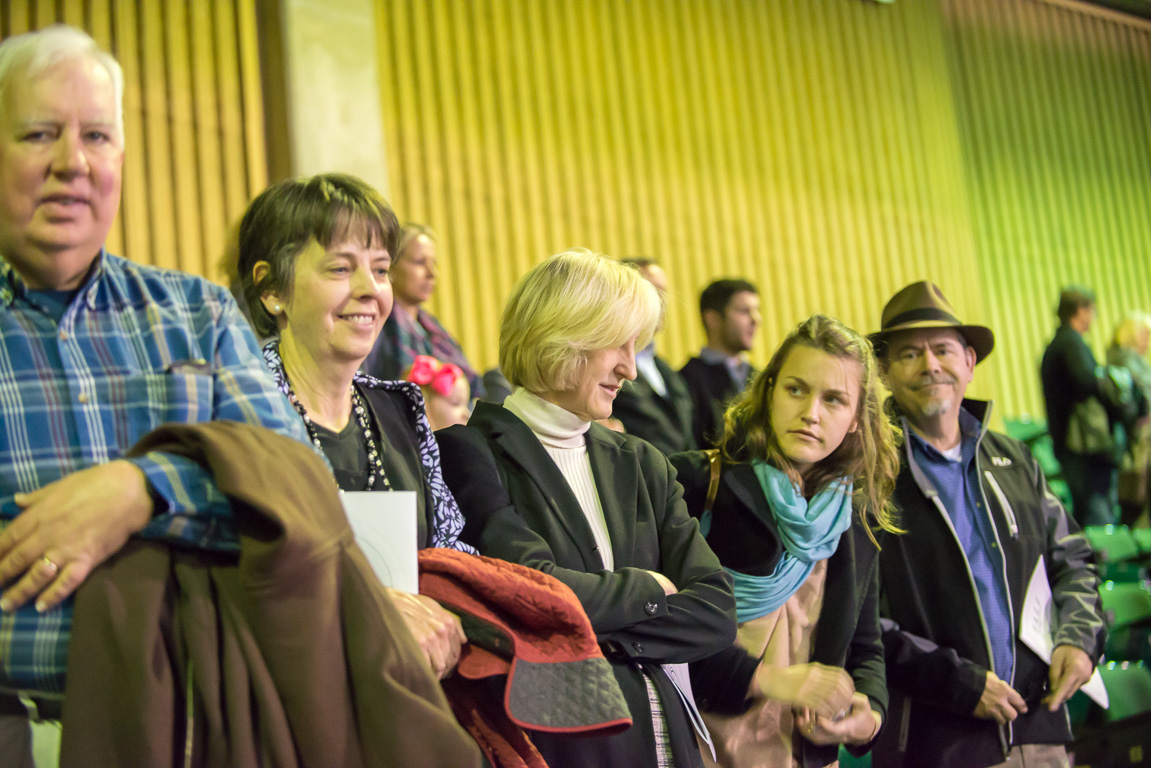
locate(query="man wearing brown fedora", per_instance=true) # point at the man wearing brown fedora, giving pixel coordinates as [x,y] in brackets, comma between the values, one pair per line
[966,691]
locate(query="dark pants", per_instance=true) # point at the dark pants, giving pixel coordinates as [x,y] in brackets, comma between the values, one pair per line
[1091,481]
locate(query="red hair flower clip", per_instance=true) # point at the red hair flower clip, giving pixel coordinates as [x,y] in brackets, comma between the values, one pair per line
[430,372]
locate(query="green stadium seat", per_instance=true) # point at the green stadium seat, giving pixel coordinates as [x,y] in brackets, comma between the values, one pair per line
[1127,609]
[848,760]
[1143,540]
[1025,428]
[1112,543]
[1120,735]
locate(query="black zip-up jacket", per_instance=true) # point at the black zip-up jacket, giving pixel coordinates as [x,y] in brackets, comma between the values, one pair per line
[935,641]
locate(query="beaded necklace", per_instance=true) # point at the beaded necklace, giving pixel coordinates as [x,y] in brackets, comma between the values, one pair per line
[360,410]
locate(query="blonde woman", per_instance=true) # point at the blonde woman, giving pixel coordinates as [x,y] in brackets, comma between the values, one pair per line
[807,466]
[541,484]
[1129,350]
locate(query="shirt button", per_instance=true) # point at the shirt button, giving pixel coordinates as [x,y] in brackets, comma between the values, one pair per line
[83,398]
[650,609]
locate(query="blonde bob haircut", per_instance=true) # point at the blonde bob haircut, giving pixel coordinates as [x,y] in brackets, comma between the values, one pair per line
[1130,329]
[566,308]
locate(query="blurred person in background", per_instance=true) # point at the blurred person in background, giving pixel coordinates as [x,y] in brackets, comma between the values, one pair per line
[410,330]
[729,310]
[657,405]
[1081,411]
[1129,350]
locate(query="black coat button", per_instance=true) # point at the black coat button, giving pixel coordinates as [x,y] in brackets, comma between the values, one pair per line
[638,647]
[650,609]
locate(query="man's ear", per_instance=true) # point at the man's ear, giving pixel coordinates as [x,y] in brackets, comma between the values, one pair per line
[970,356]
[883,364]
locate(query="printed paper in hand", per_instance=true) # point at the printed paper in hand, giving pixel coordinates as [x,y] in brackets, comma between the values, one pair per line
[385,528]
[1035,628]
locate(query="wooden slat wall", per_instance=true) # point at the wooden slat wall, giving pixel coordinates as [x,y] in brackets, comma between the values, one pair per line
[1054,104]
[830,150]
[193,118]
[809,146]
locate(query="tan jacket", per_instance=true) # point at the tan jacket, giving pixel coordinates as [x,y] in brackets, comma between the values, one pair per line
[291,655]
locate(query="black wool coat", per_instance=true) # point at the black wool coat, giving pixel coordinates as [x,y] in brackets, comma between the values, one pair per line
[518,507]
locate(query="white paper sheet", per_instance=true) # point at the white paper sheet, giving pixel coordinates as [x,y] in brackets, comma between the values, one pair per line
[1035,628]
[385,528]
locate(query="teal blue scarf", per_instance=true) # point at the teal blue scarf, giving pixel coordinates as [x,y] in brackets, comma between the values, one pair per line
[809,532]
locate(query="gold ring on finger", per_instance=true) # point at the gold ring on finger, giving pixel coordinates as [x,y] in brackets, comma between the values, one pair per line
[52,567]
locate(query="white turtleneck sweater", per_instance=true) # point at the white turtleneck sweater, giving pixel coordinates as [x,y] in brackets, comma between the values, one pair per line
[563,436]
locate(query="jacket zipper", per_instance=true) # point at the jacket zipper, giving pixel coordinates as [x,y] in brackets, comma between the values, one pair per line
[1008,512]
[1004,738]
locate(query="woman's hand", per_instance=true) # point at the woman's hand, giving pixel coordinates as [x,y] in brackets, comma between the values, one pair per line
[858,726]
[438,632]
[669,588]
[823,689]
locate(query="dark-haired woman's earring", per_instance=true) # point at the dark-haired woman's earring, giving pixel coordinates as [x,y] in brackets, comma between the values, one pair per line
[277,309]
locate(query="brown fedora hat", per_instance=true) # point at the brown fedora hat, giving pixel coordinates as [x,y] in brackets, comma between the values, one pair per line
[923,305]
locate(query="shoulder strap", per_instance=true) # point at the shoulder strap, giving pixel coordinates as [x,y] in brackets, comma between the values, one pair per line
[713,461]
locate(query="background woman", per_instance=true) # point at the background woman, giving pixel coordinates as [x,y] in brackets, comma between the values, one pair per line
[808,461]
[546,487]
[1129,350]
[411,330]
[314,256]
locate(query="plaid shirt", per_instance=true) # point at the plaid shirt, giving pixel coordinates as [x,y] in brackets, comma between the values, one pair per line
[137,347]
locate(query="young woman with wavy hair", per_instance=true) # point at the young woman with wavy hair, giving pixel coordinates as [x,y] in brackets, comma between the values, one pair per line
[794,506]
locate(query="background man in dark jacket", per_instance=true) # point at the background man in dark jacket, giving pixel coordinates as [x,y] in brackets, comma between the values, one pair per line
[729,310]
[966,691]
[1068,373]
[656,406]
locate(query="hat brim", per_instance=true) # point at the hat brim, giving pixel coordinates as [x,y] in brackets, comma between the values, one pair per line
[979,338]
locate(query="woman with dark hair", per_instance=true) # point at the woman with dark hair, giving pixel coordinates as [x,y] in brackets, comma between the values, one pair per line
[410,330]
[313,259]
[802,477]
[545,486]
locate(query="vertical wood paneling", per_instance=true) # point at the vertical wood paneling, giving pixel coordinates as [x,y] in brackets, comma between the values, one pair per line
[193,118]
[830,151]
[1052,108]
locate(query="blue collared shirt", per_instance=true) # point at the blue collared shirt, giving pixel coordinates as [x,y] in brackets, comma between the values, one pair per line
[957,482]
[136,347]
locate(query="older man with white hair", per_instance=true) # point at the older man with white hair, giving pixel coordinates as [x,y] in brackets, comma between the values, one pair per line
[95,352]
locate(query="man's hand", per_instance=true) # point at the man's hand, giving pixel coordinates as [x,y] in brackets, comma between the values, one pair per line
[1070,668]
[825,690]
[858,726]
[438,632]
[69,527]
[999,702]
